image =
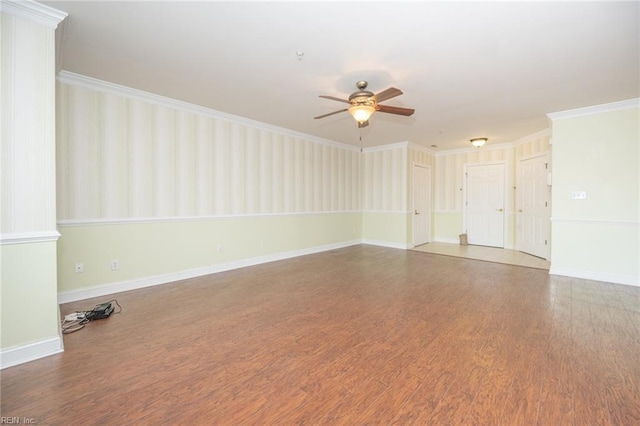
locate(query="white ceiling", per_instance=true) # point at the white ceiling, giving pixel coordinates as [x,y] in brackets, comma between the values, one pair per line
[469,69]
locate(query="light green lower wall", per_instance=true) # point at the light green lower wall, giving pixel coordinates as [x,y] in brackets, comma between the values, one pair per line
[386,228]
[29,298]
[601,251]
[447,226]
[155,248]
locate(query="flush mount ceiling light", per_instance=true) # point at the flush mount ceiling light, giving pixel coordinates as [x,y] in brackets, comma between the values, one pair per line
[478,142]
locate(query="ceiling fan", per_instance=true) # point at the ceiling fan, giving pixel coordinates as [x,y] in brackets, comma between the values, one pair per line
[364,103]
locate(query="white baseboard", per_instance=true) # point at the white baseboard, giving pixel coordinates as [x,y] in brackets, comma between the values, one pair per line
[25,353]
[402,246]
[111,288]
[595,276]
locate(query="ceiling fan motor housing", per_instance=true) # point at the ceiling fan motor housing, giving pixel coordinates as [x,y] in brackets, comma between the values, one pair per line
[362,97]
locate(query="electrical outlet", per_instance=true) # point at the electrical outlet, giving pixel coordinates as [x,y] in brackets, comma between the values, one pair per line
[79,267]
[115,265]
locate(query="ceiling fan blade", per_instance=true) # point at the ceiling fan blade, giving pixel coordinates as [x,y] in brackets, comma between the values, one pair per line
[333,98]
[391,92]
[364,124]
[395,110]
[331,113]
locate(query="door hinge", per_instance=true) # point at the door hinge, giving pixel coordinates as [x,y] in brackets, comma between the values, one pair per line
[545,204]
[545,242]
[546,166]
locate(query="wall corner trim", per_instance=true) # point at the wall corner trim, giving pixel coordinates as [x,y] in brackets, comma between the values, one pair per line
[33,11]
[24,353]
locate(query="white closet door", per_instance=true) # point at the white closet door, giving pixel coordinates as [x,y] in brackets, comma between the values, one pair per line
[485,204]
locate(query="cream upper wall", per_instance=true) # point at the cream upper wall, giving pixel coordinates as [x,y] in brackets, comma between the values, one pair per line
[384,177]
[387,180]
[597,150]
[121,157]
[599,154]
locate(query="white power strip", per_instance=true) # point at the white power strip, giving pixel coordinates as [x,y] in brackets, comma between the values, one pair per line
[75,316]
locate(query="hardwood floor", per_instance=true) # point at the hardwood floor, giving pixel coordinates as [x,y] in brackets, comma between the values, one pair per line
[361,335]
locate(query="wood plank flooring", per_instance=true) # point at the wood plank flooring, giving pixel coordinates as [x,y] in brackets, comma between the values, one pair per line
[361,335]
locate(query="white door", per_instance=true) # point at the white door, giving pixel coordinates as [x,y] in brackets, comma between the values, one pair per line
[534,195]
[421,205]
[484,208]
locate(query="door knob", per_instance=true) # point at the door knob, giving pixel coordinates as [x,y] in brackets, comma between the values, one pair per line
[498,210]
[519,210]
[416,212]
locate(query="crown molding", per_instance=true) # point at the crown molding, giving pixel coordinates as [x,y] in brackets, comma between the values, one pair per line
[399,145]
[33,11]
[386,147]
[416,147]
[595,109]
[79,80]
[533,136]
[473,149]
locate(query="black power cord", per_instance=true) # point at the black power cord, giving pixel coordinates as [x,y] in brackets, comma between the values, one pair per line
[77,320]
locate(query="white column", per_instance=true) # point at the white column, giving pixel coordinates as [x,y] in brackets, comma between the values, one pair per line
[28,232]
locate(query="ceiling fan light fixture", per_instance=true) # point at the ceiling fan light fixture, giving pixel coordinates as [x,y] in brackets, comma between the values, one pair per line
[361,113]
[478,142]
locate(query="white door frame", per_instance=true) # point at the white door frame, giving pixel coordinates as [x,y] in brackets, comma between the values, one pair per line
[413,202]
[507,210]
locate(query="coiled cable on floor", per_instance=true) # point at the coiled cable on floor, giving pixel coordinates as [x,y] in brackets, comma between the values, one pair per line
[77,320]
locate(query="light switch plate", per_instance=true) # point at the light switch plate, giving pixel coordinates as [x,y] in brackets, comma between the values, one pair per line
[579,195]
